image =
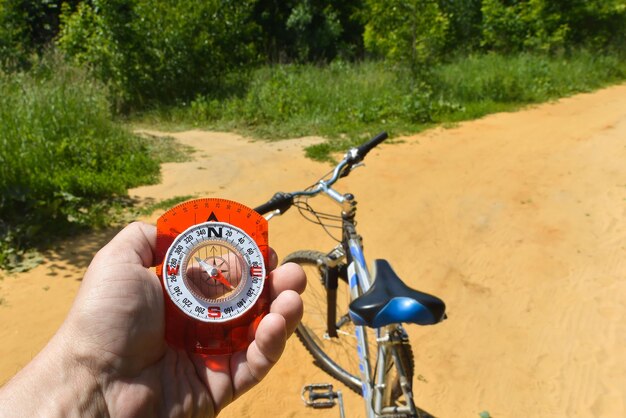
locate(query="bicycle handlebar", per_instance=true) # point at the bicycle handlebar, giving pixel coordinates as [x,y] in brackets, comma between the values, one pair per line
[283,201]
[280,201]
[369,145]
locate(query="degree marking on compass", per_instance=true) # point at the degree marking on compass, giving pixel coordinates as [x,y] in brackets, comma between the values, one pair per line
[249,293]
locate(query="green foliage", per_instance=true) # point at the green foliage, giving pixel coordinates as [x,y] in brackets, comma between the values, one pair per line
[161,52]
[555,25]
[523,25]
[309,37]
[26,28]
[464,28]
[151,53]
[342,98]
[597,24]
[348,102]
[165,149]
[61,157]
[488,83]
[412,32]
[309,31]
[164,204]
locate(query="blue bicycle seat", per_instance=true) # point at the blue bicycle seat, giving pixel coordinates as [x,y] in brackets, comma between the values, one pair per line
[390,301]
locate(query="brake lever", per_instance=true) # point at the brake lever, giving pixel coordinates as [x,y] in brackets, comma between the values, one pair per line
[357,165]
[349,169]
[270,215]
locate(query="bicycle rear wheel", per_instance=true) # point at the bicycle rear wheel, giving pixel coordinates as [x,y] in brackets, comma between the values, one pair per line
[338,356]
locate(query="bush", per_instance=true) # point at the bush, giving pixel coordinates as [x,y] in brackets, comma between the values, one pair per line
[553,26]
[26,29]
[161,52]
[309,31]
[350,101]
[343,99]
[525,78]
[61,156]
[306,99]
[411,32]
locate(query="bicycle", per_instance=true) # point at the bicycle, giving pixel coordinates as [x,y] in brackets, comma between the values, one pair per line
[350,313]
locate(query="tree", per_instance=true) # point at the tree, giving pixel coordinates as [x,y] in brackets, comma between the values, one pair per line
[464,24]
[552,25]
[411,31]
[26,28]
[309,30]
[161,51]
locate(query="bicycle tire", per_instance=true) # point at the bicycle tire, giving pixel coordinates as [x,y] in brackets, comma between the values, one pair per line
[309,334]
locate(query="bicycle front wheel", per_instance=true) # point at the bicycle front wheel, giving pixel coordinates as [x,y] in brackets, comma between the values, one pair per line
[337,356]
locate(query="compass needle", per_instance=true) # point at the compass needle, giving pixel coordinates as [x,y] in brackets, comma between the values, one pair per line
[220,277]
[214,273]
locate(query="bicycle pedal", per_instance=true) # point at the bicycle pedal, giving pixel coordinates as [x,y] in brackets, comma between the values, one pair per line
[322,395]
[319,395]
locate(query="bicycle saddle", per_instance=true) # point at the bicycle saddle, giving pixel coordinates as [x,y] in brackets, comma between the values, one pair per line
[390,301]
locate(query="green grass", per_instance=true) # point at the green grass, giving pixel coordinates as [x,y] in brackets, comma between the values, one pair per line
[288,100]
[349,102]
[163,204]
[122,211]
[165,149]
[490,83]
[63,160]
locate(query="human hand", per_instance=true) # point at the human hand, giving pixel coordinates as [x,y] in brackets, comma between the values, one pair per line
[112,344]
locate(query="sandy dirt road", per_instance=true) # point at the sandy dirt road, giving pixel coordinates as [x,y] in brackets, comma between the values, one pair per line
[517,220]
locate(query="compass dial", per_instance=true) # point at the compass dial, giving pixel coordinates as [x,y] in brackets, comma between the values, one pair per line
[214,272]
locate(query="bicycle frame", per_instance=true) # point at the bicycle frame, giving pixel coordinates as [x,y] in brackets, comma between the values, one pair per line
[360,280]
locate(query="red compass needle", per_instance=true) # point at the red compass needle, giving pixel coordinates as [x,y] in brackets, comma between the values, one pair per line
[214,273]
[220,278]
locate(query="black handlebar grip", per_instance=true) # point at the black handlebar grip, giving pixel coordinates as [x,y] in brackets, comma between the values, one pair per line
[280,201]
[367,147]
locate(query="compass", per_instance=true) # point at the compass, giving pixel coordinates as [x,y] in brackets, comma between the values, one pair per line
[214,254]
[214,272]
